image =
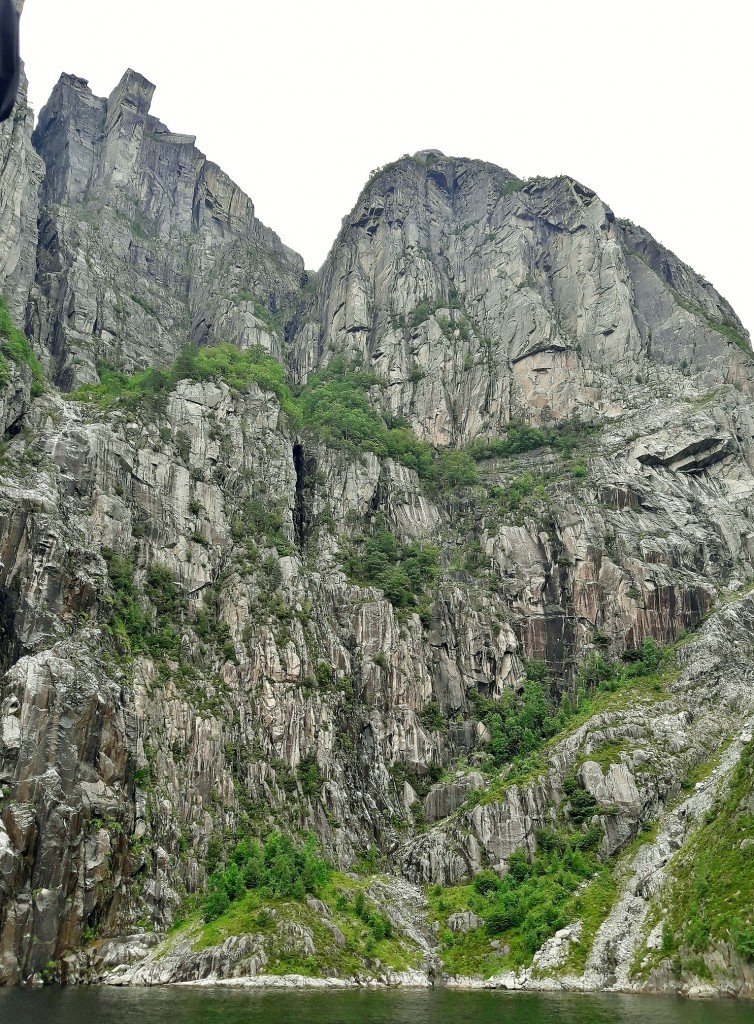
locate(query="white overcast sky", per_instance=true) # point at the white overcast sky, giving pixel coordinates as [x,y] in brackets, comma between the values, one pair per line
[648,103]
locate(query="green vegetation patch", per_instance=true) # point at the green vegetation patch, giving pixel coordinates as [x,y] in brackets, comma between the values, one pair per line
[513,185]
[519,722]
[14,346]
[520,498]
[259,519]
[593,904]
[263,887]
[151,387]
[335,407]
[523,909]
[521,438]
[607,754]
[260,311]
[523,726]
[135,627]
[709,895]
[406,572]
[277,869]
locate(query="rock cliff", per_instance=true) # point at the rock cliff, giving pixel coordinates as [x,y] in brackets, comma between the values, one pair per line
[432,555]
[144,243]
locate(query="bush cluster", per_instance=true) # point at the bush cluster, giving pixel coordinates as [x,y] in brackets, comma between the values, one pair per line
[276,869]
[518,723]
[521,438]
[137,629]
[404,571]
[534,899]
[257,518]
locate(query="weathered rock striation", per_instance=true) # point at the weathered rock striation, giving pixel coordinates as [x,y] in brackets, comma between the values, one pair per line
[187,649]
[21,171]
[144,243]
[482,299]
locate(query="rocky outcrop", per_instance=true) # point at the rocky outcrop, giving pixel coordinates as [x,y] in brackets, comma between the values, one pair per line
[481,298]
[446,798]
[145,245]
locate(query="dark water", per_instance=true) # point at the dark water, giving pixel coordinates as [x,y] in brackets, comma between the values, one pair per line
[215,1006]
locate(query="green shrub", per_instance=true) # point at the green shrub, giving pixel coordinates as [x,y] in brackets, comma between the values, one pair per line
[335,407]
[14,346]
[743,940]
[324,675]
[262,520]
[422,312]
[582,804]
[404,571]
[277,869]
[456,468]
[432,718]
[136,629]
[142,777]
[310,776]
[518,723]
[521,438]
[521,496]
[513,185]
[379,925]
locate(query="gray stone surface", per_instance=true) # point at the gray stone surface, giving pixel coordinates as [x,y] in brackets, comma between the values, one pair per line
[116,772]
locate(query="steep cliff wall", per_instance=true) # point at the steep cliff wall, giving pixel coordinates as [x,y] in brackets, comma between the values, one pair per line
[228,606]
[21,172]
[145,245]
[481,298]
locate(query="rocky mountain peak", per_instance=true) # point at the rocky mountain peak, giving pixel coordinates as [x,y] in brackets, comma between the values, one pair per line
[123,203]
[481,298]
[133,89]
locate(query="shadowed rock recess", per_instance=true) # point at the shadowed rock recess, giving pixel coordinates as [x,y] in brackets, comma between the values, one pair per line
[385,625]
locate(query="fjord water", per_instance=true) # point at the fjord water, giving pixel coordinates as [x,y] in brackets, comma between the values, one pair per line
[218,1006]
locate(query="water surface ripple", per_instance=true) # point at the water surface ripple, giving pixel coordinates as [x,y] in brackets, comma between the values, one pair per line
[222,1006]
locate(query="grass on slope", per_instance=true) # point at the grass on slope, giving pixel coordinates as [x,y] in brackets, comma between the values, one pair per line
[709,894]
[14,346]
[523,727]
[263,889]
[566,880]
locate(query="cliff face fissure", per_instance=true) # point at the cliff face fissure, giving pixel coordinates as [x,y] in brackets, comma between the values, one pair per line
[305,466]
[407,555]
[8,641]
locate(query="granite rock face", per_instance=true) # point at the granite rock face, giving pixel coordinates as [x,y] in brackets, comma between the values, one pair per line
[21,171]
[145,245]
[275,689]
[482,299]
